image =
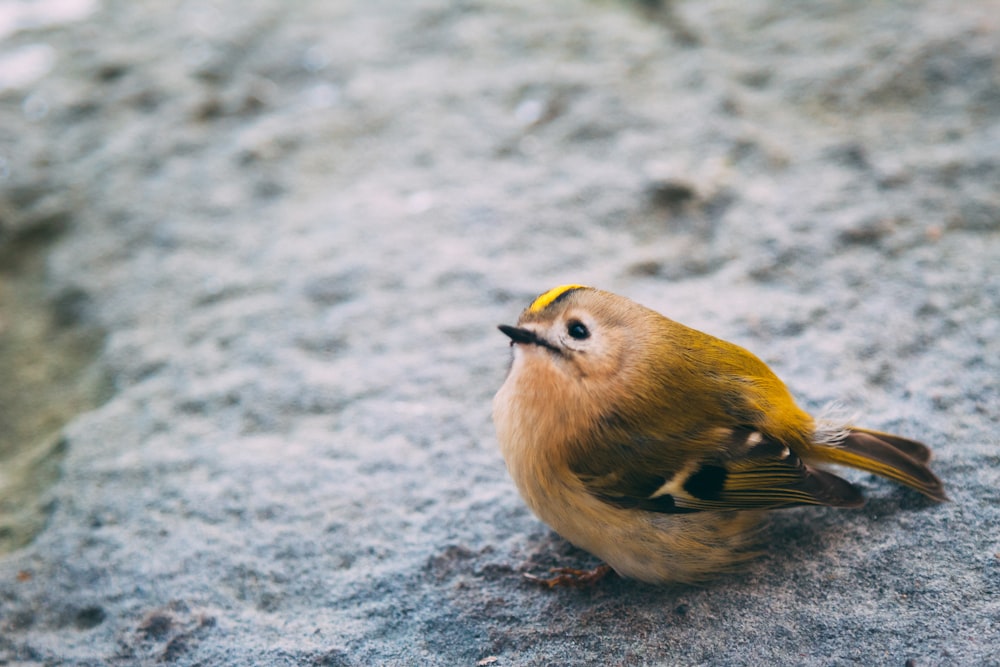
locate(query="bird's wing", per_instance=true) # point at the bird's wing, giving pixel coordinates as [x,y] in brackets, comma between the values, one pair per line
[747,470]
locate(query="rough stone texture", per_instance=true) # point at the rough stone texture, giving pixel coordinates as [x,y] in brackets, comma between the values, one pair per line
[299,224]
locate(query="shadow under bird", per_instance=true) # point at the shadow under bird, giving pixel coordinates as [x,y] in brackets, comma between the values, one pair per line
[659,448]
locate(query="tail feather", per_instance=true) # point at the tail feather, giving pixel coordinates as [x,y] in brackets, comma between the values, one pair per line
[912,448]
[891,456]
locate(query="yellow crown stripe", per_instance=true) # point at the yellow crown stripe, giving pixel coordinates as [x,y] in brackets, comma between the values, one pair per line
[546,299]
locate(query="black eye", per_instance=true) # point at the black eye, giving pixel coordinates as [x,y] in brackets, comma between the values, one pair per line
[577,330]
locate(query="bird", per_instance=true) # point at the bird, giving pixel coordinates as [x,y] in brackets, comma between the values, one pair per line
[659,448]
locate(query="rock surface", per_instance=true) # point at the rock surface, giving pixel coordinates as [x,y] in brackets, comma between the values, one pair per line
[299,224]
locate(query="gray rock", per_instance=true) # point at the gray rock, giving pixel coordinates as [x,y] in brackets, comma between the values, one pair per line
[299,224]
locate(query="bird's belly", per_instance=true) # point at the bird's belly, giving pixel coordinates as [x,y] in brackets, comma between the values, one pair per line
[647,546]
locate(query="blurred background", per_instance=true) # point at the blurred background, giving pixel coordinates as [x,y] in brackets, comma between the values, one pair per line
[252,258]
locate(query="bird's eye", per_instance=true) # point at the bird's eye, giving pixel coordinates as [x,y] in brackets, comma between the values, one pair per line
[577,330]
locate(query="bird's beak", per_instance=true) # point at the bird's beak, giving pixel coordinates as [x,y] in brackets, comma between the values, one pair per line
[528,337]
[518,335]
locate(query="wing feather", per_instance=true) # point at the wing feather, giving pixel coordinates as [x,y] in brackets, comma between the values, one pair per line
[766,475]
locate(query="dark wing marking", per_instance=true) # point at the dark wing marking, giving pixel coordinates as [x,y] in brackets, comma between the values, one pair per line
[708,482]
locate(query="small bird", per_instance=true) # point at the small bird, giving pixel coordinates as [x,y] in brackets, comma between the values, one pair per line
[659,448]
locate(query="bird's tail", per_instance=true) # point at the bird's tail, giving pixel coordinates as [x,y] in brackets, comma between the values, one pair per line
[899,459]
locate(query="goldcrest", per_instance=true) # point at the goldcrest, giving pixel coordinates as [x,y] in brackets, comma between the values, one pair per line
[659,448]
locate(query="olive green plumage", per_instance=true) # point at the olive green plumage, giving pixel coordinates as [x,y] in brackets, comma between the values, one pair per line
[656,446]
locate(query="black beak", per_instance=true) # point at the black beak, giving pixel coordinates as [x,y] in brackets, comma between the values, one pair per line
[527,336]
[517,335]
